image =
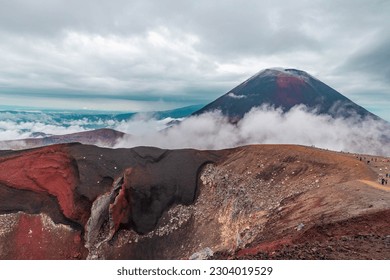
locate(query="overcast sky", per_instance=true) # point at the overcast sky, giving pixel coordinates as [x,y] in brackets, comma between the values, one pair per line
[151,55]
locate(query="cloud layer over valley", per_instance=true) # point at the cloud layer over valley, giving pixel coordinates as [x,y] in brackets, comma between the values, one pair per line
[267,125]
[264,125]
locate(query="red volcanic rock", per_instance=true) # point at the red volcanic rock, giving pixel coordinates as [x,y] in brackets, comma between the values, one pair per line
[266,247]
[108,212]
[119,210]
[36,237]
[47,170]
[289,90]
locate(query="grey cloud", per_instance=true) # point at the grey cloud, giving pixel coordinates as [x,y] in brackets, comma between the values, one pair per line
[51,17]
[372,60]
[189,48]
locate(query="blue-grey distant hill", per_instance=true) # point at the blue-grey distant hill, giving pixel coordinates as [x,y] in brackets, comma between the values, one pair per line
[95,123]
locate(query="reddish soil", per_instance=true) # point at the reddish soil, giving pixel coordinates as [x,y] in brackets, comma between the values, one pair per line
[346,216]
[36,238]
[363,237]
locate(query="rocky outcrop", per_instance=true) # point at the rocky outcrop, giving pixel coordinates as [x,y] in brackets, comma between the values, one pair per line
[96,191]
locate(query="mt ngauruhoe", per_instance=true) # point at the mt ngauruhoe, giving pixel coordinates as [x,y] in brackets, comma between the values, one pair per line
[285,88]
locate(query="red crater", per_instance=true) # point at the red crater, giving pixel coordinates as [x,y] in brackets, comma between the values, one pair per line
[47,170]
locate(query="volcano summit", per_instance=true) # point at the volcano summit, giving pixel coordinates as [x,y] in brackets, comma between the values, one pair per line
[285,88]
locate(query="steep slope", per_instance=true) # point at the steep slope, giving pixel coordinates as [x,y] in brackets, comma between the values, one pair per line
[284,88]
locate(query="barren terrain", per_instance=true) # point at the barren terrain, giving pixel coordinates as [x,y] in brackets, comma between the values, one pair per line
[255,202]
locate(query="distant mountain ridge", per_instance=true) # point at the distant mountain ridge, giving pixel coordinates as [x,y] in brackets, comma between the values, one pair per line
[104,137]
[285,88]
[178,113]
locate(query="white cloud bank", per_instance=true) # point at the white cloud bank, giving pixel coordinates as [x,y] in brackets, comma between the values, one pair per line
[266,125]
